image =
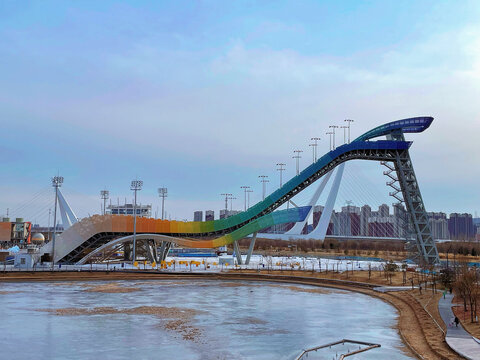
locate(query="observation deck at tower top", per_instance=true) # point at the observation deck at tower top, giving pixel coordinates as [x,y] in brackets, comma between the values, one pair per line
[410,125]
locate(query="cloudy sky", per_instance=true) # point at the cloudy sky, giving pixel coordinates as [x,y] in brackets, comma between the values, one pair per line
[203,96]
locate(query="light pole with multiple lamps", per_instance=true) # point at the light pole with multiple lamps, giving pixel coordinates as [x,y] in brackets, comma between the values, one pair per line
[281,168]
[245,189]
[297,157]
[163,193]
[136,185]
[231,198]
[264,182]
[315,145]
[344,133]
[104,195]
[248,197]
[57,182]
[227,196]
[349,122]
[333,127]
[330,133]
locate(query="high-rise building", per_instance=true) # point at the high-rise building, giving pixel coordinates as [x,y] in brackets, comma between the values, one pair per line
[401,220]
[198,216]
[383,210]
[439,225]
[209,215]
[460,226]
[317,214]
[365,214]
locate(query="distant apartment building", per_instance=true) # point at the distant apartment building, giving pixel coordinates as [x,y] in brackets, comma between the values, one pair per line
[365,214]
[439,225]
[384,210]
[381,226]
[460,226]
[198,216]
[362,221]
[209,215]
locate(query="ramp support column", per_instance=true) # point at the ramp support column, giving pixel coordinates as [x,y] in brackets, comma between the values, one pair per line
[238,254]
[250,248]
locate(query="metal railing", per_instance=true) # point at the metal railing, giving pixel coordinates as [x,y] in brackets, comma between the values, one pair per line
[369,346]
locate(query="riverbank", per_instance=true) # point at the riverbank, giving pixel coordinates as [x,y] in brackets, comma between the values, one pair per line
[416,325]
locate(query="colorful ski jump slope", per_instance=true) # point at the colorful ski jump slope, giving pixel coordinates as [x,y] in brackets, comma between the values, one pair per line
[211,234]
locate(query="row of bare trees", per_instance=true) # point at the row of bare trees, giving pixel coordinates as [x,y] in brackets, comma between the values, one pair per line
[308,245]
[467,287]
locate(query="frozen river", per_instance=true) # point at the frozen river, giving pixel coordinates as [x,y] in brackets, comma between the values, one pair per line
[188,319]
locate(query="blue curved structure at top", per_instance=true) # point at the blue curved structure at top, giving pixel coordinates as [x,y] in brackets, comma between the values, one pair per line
[329,161]
[394,150]
[410,125]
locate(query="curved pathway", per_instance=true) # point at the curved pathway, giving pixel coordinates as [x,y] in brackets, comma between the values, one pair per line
[457,338]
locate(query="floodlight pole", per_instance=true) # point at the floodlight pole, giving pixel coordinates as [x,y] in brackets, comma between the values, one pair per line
[163,193]
[248,197]
[245,196]
[344,133]
[104,195]
[226,202]
[313,152]
[333,127]
[263,181]
[330,133]
[49,232]
[349,121]
[297,157]
[315,145]
[136,185]
[57,182]
[281,169]
[231,198]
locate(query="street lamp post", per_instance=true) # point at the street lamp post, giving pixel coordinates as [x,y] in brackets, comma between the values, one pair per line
[163,193]
[136,185]
[57,182]
[264,182]
[281,169]
[297,157]
[245,188]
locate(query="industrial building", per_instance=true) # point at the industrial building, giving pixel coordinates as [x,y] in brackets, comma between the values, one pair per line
[127,209]
[16,232]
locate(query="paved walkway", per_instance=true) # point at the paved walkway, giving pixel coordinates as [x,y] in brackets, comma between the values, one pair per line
[384,289]
[457,338]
